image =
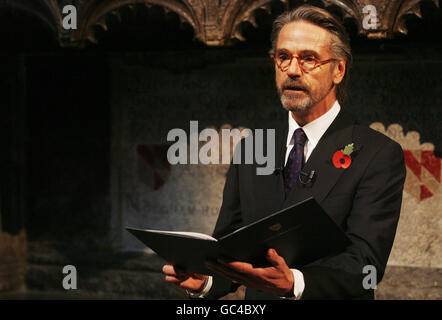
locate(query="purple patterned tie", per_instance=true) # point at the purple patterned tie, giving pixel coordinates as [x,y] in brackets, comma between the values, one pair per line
[295,161]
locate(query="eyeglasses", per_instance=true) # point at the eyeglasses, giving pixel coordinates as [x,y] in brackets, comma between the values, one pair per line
[307,63]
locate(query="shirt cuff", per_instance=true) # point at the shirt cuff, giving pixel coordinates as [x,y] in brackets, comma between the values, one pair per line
[299,286]
[203,292]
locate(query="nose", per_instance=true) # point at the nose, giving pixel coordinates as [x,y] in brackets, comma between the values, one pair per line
[294,69]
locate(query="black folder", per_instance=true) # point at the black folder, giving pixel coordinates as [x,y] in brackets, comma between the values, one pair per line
[301,233]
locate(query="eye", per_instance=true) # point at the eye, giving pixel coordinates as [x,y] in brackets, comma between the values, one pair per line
[309,59]
[283,56]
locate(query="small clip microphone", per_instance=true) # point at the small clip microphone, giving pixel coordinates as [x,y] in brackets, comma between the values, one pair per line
[306,177]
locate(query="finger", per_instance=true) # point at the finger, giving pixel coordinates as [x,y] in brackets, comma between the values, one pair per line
[274,258]
[173,274]
[174,271]
[169,270]
[173,279]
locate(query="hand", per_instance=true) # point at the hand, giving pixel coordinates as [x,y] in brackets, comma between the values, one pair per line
[277,278]
[186,280]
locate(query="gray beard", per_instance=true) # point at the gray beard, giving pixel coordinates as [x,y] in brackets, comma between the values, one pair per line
[301,105]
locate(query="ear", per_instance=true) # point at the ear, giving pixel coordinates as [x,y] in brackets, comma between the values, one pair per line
[339,71]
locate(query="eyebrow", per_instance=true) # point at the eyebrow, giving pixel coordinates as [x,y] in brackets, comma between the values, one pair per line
[302,52]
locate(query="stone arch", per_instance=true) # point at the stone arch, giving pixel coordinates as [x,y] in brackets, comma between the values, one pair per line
[94,13]
[45,10]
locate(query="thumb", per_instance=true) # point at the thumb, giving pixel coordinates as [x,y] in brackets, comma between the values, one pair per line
[273,257]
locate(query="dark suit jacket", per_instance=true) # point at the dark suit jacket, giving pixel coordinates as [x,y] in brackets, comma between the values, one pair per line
[364,200]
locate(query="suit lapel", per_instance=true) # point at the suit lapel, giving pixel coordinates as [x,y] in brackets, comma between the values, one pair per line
[338,135]
[280,151]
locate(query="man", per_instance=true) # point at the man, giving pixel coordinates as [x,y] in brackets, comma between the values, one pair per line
[361,189]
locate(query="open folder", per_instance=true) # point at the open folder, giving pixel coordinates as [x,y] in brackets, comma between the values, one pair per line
[301,233]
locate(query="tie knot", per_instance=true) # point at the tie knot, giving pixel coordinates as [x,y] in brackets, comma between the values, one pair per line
[300,136]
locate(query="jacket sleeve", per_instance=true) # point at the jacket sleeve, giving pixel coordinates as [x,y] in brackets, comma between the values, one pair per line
[371,226]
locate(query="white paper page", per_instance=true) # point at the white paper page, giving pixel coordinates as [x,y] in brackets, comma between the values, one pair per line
[195,235]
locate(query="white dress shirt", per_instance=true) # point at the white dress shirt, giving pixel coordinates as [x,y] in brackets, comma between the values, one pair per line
[314,131]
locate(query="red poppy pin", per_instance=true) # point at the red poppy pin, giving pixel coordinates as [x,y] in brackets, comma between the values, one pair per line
[342,158]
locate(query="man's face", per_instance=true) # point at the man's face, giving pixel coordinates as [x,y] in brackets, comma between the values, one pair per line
[300,91]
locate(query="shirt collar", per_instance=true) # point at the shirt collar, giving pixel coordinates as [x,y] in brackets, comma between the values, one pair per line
[315,129]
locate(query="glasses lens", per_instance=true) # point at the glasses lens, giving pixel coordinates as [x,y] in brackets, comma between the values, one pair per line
[308,64]
[284,63]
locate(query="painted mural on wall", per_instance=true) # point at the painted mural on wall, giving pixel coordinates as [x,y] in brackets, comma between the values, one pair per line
[418,242]
[423,167]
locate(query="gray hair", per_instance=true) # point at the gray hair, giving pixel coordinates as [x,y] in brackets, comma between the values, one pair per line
[340,41]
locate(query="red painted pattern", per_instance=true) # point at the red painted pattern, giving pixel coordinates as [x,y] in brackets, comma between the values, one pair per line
[156,157]
[428,162]
[431,163]
[412,163]
[425,193]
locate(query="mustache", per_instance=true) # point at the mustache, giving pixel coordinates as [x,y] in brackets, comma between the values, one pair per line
[293,84]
